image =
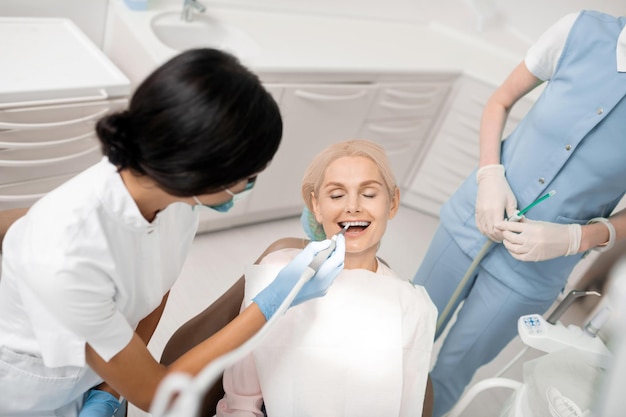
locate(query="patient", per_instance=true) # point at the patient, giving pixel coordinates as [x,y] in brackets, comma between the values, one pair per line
[365,347]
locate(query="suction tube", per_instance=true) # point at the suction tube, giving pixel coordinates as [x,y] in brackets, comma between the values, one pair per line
[479,257]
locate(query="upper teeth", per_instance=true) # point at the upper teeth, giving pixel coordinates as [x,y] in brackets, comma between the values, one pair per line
[344,224]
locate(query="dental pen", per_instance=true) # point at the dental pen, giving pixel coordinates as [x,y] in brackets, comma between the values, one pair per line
[518,216]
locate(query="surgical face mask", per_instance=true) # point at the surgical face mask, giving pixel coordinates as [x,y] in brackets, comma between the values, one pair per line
[224,207]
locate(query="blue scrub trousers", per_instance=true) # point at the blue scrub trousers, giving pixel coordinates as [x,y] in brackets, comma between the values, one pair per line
[486,323]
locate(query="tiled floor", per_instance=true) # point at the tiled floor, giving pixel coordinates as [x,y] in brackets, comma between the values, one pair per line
[217,260]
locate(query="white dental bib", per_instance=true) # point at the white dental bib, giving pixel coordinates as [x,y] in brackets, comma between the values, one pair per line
[362,349]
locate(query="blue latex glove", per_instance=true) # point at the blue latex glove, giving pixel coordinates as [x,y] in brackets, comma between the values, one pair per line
[99,404]
[274,294]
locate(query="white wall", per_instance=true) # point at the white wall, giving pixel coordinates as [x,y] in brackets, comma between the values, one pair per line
[521,20]
[89,15]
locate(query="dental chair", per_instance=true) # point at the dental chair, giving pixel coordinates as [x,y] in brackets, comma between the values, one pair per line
[220,313]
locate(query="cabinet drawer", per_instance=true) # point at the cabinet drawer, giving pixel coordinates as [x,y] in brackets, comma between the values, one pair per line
[12,171]
[52,131]
[408,100]
[25,193]
[46,117]
[49,150]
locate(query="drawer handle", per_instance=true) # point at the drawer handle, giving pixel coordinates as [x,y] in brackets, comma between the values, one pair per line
[19,198]
[398,106]
[37,162]
[5,146]
[386,129]
[102,95]
[327,97]
[406,94]
[33,126]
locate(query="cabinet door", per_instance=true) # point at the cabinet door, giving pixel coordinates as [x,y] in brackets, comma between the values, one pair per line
[455,149]
[402,141]
[401,118]
[314,116]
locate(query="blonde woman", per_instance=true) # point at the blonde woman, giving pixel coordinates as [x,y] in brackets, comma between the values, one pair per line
[365,348]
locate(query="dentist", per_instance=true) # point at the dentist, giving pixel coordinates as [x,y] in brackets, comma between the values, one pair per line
[87,271]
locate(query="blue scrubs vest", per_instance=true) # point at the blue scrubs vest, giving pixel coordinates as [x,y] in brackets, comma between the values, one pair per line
[572,141]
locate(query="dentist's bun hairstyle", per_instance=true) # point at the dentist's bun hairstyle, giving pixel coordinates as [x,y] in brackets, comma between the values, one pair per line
[314,174]
[198,123]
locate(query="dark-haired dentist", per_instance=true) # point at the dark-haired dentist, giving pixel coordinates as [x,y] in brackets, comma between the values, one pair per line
[87,271]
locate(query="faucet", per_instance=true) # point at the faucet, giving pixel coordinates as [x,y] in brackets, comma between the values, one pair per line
[189,6]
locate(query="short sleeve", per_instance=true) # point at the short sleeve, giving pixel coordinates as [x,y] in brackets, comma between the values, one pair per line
[542,57]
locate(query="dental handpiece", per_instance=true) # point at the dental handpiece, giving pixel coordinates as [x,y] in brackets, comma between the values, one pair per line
[322,255]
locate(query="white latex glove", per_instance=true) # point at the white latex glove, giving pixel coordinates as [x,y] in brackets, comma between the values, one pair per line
[530,240]
[493,199]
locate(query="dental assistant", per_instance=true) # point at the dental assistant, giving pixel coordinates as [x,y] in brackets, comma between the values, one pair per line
[573,141]
[87,271]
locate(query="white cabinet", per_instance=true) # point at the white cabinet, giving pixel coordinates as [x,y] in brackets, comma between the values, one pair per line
[454,152]
[401,119]
[54,85]
[43,146]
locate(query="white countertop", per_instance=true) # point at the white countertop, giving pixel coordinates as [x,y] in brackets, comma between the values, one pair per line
[293,43]
[50,59]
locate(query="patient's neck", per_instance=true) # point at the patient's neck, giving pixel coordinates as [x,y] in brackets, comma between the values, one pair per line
[361,261]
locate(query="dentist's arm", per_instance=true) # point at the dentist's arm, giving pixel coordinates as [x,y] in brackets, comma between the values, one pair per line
[7,218]
[495,196]
[135,374]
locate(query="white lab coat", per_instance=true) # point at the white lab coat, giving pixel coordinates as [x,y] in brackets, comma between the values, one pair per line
[83,266]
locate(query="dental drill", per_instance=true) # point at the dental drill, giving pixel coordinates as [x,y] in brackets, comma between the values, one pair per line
[181,394]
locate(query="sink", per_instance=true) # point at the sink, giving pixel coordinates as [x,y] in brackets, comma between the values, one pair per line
[202,32]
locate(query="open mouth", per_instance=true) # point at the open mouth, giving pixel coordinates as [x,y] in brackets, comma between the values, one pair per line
[354,226]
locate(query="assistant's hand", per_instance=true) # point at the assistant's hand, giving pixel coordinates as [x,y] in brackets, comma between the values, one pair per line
[99,404]
[531,240]
[274,294]
[493,198]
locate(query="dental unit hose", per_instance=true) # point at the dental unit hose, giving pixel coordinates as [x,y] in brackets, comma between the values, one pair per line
[190,391]
[479,257]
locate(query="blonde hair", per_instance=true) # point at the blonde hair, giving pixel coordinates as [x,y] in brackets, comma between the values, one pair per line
[314,174]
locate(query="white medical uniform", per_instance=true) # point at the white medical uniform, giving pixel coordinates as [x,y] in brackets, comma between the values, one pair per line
[83,266]
[361,350]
